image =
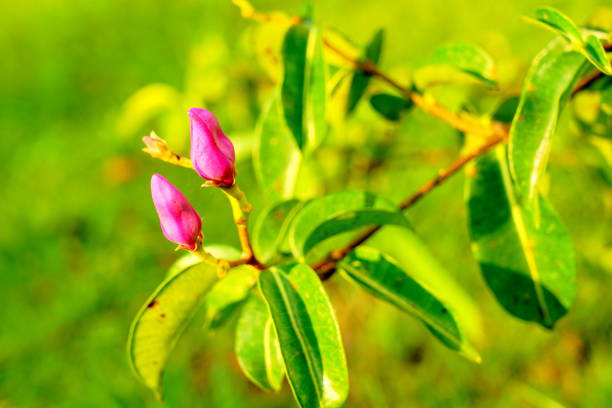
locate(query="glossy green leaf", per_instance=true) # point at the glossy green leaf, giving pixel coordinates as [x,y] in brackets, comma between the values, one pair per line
[276,158]
[257,347]
[461,57]
[270,229]
[361,80]
[390,107]
[303,91]
[596,54]
[527,261]
[162,319]
[413,255]
[308,333]
[336,213]
[558,23]
[381,276]
[228,295]
[549,82]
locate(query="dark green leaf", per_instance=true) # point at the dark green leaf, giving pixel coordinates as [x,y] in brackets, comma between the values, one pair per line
[162,319]
[303,91]
[506,110]
[464,58]
[550,80]
[276,158]
[336,213]
[308,333]
[361,79]
[390,106]
[527,261]
[257,347]
[381,276]
[271,228]
[228,294]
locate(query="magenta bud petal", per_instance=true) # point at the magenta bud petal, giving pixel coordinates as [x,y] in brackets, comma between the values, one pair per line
[212,153]
[180,223]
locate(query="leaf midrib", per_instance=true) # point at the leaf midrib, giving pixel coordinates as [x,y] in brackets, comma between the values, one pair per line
[417,313]
[299,334]
[522,233]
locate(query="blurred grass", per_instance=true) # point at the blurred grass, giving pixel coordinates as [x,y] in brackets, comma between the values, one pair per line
[80,246]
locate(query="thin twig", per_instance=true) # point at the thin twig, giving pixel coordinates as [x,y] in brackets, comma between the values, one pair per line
[326,267]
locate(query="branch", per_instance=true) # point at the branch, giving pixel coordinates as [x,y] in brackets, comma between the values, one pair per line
[326,267]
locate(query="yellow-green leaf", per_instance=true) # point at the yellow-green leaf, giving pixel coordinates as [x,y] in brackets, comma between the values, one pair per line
[257,347]
[162,319]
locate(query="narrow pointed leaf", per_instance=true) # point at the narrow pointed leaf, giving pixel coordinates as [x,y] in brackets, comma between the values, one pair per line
[558,23]
[276,158]
[336,213]
[303,92]
[361,80]
[381,276]
[390,107]
[257,347]
[591,48]
[308,333]
[270,229]
[596,54]
[463,58]
[549,82]
[527,261]
[162,319]
[228,295]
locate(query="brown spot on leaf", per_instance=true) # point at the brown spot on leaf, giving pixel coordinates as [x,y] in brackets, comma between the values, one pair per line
[154,303]
[162,315]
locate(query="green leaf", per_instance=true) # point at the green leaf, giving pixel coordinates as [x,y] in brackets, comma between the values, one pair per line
[390,106]
[303,91]
[559,23]
[596,54]
[381,276]
[276,158]
[549,82]
[409,251]
[184,262]
[309,337]
[527,261]
[361,80]
[270,229]
[160,322]
[228,295]
[257,347]
[336,213]
[506,110]
[460,57]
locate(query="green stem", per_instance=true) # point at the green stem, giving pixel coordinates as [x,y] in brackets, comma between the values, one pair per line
[240,211]
[206,257]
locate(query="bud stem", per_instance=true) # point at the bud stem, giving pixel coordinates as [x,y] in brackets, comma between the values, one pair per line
[240,210]
[206,257]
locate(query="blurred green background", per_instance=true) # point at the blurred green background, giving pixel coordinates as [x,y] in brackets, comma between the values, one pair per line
[81,249]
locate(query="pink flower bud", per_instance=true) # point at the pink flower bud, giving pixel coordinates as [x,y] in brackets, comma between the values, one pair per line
[180,223]
[212,153]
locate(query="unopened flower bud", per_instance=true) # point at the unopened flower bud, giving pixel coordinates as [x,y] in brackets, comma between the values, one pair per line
[212,153]
[180,223]
[155,146]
